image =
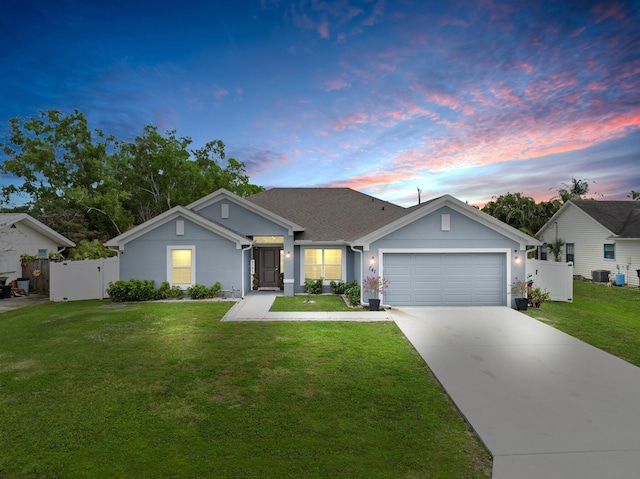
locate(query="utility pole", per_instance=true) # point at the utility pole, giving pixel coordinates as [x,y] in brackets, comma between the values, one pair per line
[419,191]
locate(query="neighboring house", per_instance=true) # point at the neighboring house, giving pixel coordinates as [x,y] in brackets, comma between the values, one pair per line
[23,234]
[599,235]
[442,252]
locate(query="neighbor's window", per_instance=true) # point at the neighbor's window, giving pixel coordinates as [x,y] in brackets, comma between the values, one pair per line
[609,251]
[570,248]
[542,253]
[181,265]
[42,253]
[323,263]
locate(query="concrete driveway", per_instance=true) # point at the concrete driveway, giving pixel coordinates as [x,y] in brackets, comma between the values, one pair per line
[545,404]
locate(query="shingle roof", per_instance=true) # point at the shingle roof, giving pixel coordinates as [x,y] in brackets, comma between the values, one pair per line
[329,214]
[622,218]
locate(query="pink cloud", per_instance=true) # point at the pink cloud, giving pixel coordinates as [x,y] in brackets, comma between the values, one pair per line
[336,84]
[603,11]
[377,12]
[220,93]
[323,29]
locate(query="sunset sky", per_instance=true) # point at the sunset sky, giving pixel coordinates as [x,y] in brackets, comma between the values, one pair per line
[474,99]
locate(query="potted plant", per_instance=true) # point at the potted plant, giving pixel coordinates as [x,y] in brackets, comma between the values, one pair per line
[537,297]
[519,289]
[374,285]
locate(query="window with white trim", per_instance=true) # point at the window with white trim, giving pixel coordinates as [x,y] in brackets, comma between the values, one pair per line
[326,263]
[609,251]
[181,268]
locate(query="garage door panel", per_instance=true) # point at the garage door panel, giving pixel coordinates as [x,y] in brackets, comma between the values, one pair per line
[450,279]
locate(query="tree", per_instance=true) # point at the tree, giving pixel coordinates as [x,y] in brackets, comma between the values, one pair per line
[87,185]
[634,195]
[521,212]
[577,190]
[62,168]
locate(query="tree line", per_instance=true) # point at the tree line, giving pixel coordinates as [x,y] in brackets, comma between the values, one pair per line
[87,185]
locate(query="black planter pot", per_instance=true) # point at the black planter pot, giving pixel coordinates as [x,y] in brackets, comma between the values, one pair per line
[521,304]
[374,305]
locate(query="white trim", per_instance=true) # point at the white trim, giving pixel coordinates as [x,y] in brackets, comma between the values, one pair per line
[171,248]
[325,282]
[506,251]
[9,219]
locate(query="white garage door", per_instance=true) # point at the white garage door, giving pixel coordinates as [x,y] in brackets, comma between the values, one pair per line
[445,279]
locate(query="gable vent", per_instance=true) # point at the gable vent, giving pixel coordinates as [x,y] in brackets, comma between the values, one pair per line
[180,228]
[445,222]
[224,210]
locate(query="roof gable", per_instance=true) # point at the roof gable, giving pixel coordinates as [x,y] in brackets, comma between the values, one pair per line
[8,219]
[171,214]
[447,200]
[329,214]
[622,218]
[224,194]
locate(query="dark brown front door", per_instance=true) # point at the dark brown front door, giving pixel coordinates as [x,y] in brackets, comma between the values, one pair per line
[269,267]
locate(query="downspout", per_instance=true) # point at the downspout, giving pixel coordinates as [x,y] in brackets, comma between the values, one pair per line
[242,276]
[361,269]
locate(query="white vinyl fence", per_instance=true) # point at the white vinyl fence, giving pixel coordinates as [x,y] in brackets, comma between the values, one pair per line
[85,279]
[552,276]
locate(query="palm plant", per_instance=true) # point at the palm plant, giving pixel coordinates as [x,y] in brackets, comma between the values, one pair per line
[555,248]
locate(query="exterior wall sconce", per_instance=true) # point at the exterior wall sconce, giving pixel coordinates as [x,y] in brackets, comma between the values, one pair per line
[288,255]
[372,261]
[517,259]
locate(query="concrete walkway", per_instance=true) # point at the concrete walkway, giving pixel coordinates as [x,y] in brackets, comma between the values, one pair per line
[255,307]
[545,404]
[9,304]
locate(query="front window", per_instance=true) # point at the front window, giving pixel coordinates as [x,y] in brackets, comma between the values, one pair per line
[609,251]
[326,263]
[181,265]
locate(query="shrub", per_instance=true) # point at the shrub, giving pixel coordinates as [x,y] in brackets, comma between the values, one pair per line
[341,287]
[132,290]
[176,292]
[537,297]
[314,286]
[166,291]
[199,291]
[352,293]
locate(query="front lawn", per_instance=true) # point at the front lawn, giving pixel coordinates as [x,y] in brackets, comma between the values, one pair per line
[96,389]
[605,317]
[318,303]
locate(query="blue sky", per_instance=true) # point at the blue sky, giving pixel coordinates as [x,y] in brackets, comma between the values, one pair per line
[472,99]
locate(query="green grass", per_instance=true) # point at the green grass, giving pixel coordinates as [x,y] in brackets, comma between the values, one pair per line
[94,389]
[319,303]
[605,317]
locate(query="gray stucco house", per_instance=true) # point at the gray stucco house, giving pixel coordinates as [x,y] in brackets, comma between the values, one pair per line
[440,252]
